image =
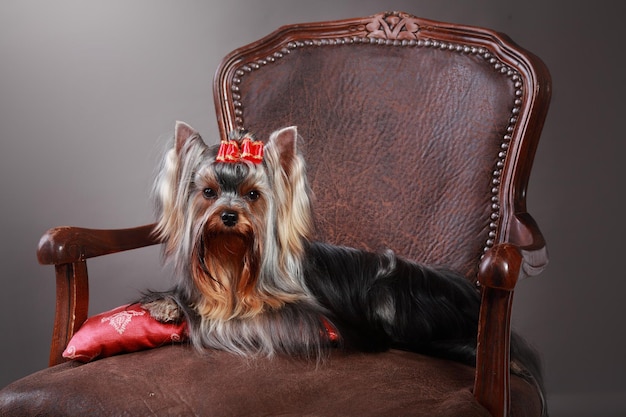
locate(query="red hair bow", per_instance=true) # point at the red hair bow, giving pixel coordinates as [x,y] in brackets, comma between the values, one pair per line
[251,151]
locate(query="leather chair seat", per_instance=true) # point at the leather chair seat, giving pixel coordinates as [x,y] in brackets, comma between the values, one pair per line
[156,382]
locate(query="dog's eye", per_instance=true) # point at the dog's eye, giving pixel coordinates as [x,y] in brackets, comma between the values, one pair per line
[253,195]
[209,193]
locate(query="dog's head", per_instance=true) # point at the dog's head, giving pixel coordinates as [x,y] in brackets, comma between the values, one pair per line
[235,228]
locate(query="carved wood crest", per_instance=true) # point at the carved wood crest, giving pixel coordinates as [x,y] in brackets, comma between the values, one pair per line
[393,26]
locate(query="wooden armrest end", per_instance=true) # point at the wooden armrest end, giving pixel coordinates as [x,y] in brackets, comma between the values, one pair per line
[67,244]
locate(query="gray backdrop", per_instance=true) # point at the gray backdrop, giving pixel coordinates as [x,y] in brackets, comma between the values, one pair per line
[89,92]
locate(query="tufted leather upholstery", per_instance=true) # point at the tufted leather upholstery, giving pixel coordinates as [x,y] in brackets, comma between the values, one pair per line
[419,137]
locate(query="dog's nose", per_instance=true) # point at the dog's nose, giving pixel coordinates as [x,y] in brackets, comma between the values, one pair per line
[229,218]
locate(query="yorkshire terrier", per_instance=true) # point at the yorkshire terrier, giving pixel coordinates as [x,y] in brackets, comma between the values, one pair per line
[236,222]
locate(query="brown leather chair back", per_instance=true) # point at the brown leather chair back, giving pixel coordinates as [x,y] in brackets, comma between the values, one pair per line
[413,130]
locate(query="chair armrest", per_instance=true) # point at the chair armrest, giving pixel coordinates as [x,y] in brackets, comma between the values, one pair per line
[523,254]
[66,244]
[68,248]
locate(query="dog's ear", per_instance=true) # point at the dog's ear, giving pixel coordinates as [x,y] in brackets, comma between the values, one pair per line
[291,193]
[183,133]
[172,185]
[285,141]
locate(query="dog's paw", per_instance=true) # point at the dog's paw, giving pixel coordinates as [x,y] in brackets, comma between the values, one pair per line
[165,311]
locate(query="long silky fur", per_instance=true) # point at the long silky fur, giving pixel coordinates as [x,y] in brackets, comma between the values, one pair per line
[277,313]
[264,288]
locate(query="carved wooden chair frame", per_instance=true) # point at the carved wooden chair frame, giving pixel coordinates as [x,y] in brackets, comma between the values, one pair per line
[515,247]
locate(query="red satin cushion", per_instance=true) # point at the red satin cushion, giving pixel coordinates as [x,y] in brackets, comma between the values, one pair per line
[127,328]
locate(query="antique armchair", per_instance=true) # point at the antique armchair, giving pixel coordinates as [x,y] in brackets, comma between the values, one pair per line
[419,137]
